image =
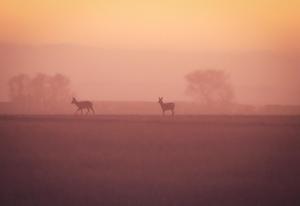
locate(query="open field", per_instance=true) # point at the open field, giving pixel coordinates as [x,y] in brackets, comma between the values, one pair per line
[149,160]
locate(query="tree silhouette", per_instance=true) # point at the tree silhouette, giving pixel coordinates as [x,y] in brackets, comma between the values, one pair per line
[59,91]
[210,86]
[39,90]
[42,92]
[19,89]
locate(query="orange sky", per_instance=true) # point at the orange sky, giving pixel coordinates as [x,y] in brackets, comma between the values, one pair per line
[227,26]
[181,24]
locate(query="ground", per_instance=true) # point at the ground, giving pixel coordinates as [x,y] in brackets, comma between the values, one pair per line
[149,160]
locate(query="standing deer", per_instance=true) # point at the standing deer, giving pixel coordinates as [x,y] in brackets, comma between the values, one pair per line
[166,106]
[83,105]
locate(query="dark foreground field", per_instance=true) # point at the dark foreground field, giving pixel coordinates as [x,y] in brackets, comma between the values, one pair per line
[149,160]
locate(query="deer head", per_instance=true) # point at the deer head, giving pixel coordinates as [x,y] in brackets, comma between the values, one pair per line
[73,100]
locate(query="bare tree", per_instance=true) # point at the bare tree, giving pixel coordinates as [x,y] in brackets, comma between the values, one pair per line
[19,90]
[59,91]
[39,90]
[42,92]
[210,86]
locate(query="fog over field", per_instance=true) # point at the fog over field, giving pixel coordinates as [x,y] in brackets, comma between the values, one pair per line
[149,103]
[140,50]
[258,77]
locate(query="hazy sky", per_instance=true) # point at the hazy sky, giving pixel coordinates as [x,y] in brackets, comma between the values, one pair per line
[181,24]
[228,26]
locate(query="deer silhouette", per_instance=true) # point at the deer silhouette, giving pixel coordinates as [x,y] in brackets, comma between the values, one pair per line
[166,106]
[83,105]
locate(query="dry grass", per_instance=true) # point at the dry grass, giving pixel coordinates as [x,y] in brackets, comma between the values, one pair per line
[149,160]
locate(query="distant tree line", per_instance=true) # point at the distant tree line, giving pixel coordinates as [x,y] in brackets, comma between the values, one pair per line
[41,92]
[46,93]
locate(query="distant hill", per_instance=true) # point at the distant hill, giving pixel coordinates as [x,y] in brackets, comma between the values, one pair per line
[153,108]
[280,109]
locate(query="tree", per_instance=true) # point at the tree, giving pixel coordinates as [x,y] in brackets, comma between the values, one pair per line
[39,90]
[42,92]
[210,86]
[19,89]
[59,90]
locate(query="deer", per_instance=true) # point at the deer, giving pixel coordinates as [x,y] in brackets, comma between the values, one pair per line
[166,106]
[83,105]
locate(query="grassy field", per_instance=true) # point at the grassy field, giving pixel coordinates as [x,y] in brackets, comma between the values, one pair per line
[149,160]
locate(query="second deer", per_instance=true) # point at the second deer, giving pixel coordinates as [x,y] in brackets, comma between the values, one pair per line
[169,106]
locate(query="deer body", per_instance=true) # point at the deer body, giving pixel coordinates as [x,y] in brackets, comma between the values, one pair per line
[81,105]
[170,106]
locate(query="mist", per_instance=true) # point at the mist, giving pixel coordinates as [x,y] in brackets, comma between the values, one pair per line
[258,77]
[159,102]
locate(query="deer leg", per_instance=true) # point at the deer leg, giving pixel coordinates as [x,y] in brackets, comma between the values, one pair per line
[92,109]
[77,110]
[87,110]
